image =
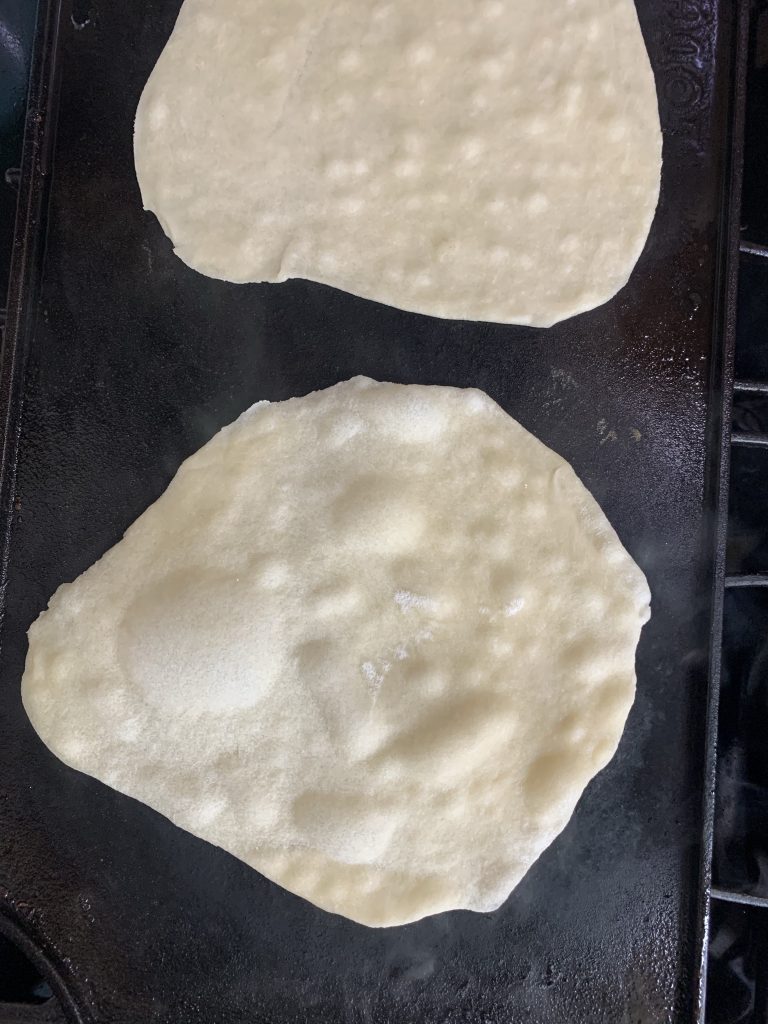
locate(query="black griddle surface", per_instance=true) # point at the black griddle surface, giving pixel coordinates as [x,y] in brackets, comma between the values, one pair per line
[133,361]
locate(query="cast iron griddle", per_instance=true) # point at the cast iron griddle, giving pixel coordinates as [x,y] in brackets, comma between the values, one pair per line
[133,361]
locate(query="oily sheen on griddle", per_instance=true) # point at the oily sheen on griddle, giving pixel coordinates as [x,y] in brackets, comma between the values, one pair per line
[374,641]
[487,160]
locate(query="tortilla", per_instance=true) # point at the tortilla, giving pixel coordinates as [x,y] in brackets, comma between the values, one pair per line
[374,642]
[496,160]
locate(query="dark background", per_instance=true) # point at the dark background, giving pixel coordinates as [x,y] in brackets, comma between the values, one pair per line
[17,22]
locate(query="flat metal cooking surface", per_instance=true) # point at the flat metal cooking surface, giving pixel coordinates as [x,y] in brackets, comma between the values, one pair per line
[134,361]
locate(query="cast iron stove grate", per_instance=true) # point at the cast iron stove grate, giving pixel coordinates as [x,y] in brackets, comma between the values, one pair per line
[738,937]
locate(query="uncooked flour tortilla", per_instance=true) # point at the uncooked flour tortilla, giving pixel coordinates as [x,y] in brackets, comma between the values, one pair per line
[475,159]
[374,642]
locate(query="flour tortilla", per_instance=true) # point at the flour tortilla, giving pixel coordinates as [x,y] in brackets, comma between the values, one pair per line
[374,642]
[493,160]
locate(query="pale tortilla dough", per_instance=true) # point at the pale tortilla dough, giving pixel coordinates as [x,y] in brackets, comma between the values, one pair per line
[374,642]
[476,159]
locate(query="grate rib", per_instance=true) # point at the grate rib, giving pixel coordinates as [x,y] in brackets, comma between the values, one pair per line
[751,387]
[749,440]
[726,896]
[757,579]
[753,249]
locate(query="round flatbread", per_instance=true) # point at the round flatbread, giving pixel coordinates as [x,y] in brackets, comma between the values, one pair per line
[374,642]
[493,160]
